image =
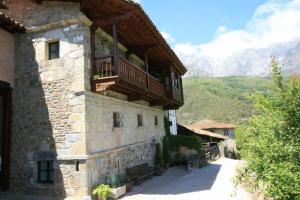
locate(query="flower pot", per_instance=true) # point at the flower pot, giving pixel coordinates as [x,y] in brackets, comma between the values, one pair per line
[118,192]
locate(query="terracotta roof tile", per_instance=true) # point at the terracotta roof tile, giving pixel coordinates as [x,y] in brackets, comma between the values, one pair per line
[209,124]
[10,25]
[204,132]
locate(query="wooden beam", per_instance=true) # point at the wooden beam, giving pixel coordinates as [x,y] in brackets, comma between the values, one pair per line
[147,69]
[83,4]
[114,20]
[115,49]
[93,50]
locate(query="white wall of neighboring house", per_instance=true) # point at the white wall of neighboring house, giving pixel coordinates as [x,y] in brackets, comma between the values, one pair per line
[173,121]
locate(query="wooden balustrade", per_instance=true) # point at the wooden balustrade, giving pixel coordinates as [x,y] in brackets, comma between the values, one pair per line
[104,67]
[177,95]
[156,87]
[133,77]
[132,74]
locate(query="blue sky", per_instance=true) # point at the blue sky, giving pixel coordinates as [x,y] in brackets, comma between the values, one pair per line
[218,29]
[196,21]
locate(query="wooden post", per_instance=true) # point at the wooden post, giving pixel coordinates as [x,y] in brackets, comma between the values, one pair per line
[147,69]
[181,89]
[93,51]
[115,50]
[172,81]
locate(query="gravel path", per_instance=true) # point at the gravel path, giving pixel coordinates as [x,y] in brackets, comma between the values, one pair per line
[211,182]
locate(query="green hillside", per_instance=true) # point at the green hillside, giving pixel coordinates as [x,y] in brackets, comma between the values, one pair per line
[222,99]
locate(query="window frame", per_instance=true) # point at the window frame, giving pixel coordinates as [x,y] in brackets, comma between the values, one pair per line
[49,169]
[117,120]
[140,120]
[226,132]
[57,50]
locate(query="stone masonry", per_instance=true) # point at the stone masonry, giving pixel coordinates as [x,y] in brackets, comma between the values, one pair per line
[57,117]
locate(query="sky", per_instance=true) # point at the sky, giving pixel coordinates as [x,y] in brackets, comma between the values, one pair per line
[220,28]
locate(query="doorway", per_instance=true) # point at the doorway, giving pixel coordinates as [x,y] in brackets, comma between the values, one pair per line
[5,129]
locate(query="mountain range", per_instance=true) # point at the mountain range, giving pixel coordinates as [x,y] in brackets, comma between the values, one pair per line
[249,62]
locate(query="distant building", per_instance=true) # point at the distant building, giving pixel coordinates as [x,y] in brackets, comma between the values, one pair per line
[208,138]
[224,129]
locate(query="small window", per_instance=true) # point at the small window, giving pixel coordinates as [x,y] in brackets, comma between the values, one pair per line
[226,133]
[53,50]
[140,120]
[155,120]
[45,172]
[116,120]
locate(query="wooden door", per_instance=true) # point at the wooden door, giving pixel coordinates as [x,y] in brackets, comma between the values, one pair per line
[5,128]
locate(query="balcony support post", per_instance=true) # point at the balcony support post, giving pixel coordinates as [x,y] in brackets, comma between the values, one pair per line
[147,69]
[172,80]
[93,52]
[181,89]
[115,49]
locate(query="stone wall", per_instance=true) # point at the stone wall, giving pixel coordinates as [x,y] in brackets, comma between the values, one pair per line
[7,56]
[103,166]
[34,15]
[49,112]
[102,136]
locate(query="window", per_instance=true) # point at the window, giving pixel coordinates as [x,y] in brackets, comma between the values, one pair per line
[155,120]
[45,171]
[53,50]
[116,120]
[140,120]
[226,132]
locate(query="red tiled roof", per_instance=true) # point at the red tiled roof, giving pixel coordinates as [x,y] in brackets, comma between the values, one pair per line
[204,132]
[10,25]
[210,124]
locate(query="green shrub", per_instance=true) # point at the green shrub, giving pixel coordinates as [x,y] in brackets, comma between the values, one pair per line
[270,143]
[166,153]
[167,126]
[158,161]
[102,191]
[191,142]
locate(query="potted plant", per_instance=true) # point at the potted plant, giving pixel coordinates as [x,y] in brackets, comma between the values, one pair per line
[102,192]
[118,186]
[158,161]
[129,183]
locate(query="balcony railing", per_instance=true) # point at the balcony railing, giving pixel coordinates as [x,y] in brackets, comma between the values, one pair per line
[156,87]
[177,94]
[132,74]
[132,80]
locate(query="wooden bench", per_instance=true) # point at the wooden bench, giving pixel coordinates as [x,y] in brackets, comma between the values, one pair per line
[140,172]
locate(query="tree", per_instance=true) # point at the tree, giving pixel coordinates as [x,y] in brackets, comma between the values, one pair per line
[270,143]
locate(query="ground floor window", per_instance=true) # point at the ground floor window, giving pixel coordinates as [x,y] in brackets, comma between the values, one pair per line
[140,120]
[45,172]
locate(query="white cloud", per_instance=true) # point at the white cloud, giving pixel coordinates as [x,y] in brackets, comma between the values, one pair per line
[221,29]
[276,21]
[168,37]
[137,1]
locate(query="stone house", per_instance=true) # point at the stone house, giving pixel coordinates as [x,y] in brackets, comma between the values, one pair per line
[8,29]
[92,82]
[225,129]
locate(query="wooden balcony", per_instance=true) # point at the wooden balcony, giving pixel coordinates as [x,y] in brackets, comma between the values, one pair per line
[132,81]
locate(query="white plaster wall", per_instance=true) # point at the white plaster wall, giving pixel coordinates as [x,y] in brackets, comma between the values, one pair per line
[7,56]
[173,120]
[102,136]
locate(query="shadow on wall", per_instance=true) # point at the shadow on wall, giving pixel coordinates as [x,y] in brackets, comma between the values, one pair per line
[32,131]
